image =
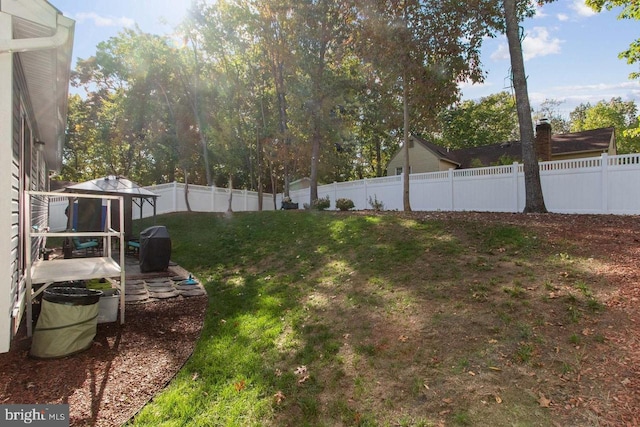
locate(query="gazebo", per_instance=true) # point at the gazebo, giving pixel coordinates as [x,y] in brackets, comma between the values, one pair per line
[89,217]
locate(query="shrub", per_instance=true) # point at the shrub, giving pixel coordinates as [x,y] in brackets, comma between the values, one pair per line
[344,204]
[322,204]
[376,204]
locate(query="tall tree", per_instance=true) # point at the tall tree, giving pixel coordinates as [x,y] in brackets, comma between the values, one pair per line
[426,48]
[533,188]
[326,26]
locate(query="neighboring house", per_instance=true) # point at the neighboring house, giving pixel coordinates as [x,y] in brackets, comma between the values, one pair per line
[35,59]
[425,156]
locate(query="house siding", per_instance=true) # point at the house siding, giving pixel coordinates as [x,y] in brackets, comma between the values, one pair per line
[421,159]
[17,281]
[8,190]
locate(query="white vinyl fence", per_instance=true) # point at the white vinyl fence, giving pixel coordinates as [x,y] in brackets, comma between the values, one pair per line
[172,199]
[597,185]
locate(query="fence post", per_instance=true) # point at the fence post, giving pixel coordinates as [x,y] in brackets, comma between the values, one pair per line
[246,200]
[451,189]
[175,196]
[516,195]
[366,193]
[604,182]
[335,191]
[213,198]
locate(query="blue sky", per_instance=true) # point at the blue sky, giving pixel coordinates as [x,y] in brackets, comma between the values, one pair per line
[571,53]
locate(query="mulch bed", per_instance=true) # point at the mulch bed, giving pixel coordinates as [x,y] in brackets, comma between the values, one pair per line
[125,367]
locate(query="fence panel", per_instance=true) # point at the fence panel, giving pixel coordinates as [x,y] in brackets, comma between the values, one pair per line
[606,184]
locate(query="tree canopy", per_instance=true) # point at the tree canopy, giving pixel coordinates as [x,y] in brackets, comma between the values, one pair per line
[256,94]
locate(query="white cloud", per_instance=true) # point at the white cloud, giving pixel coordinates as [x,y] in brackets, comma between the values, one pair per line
[562,17]
[537,42]
[573,95]
[581,8]
[104,21]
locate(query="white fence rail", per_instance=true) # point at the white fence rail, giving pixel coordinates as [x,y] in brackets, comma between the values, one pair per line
[172,199]
[596,185]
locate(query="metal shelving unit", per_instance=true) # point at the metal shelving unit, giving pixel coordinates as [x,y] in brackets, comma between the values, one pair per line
[45,273]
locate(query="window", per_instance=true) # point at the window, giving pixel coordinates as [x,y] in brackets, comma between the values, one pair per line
[399,170]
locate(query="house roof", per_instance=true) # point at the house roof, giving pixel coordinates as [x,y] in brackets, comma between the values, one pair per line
[43,41]
[588,140]
[596,141]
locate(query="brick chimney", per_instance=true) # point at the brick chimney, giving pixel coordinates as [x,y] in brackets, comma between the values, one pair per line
[543,140]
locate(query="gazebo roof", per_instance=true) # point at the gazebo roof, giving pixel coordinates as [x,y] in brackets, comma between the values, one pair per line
[112,185]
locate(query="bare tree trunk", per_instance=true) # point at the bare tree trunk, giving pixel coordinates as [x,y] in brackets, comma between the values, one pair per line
[229,209]
[274,186]
[533,189]
[315,154]
[186,190]
[406,170]
[259,172]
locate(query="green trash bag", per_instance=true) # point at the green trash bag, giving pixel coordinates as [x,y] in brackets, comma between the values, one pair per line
[67,323]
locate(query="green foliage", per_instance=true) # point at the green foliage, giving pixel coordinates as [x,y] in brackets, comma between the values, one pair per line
[505,160]
[321,203]
[619,114]
[344,204]
[472,124]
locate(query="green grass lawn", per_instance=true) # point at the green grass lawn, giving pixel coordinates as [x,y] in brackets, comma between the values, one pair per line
[333,319]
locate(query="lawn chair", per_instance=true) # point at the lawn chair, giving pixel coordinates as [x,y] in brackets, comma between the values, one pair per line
[133,247]
[90,245]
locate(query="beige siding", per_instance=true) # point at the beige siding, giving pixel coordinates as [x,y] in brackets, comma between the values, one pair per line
[421,160]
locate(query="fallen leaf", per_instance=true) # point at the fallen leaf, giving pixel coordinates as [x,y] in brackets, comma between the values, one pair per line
[495,368]
[473,374]
[447,400]
[194,376]
[240,385]
[357,418]
[498,399]
[278,372]
[543,401]
[300,370]
[279,397]
[303,379]
[403,338]
[492,341]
